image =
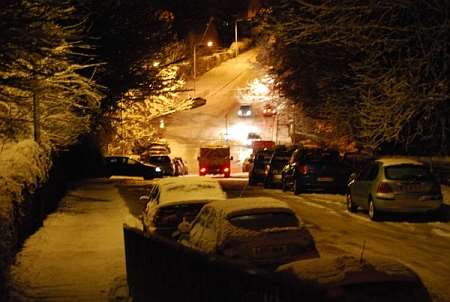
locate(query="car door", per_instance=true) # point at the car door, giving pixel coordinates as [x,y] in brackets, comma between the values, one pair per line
[360,189]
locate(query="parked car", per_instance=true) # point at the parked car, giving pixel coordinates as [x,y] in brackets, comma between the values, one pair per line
[269,110]
[180,167]
[246,164]
[315,169]
[259,231]
[126,166]
[258,165]
[348,278]
[173,199]
[358,160]
[245,111]
[162,161]
[274,169]
[394,185]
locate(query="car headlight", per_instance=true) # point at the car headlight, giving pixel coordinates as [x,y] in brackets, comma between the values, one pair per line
[249,113]
[158,169]
[240,112]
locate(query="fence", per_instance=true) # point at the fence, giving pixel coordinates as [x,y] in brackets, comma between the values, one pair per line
[159,269]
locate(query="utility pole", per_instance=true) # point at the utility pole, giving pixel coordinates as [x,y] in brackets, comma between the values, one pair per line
[36,121]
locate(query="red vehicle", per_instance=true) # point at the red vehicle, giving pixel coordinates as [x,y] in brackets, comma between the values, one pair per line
[259,145]
[214,160]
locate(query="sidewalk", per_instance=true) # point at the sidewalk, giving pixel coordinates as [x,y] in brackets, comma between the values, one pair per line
[78,255]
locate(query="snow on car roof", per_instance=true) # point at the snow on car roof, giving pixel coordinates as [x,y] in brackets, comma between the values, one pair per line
[236,206]
[346,270]
[390,161]
[176,189]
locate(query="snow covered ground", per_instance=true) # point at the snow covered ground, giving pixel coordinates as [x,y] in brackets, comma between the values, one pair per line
[78,255]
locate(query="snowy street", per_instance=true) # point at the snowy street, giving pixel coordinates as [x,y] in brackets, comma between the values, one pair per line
[78,254]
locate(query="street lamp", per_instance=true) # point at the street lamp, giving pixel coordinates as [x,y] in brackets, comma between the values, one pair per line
[208,44]
[236,34]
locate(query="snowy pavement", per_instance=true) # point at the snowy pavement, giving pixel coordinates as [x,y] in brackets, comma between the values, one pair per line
[78,255]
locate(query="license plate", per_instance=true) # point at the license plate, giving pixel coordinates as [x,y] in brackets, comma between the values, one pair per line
[325,179]
[412,188]
[270,250]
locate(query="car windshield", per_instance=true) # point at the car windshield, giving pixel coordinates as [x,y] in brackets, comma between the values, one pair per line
[278,163]
[407,172]
[262,221]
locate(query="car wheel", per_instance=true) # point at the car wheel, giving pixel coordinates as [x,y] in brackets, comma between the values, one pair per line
[373,212]
[267,183]
[351,207]
[147,177]
[251,181]
[283,185]
[297,187]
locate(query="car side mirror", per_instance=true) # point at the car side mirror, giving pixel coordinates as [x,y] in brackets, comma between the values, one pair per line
[231,157]
[198,157]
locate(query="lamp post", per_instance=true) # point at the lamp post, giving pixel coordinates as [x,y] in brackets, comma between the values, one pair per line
[236,33]
[208,44]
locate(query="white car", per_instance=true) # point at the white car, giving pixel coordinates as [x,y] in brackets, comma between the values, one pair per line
[174,199]
[260,232]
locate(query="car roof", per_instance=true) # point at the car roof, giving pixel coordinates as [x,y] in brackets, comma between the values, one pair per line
[246,205]
[391,161]
[182,189]
[347,270]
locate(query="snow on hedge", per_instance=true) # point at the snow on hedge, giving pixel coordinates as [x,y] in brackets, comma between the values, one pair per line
[22,166]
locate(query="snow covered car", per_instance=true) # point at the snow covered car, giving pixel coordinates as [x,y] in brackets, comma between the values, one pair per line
[346,278]
[174,198]
[126,166]
[260,231]
[394,185]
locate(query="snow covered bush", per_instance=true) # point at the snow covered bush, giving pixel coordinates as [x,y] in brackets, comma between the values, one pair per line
[23,167]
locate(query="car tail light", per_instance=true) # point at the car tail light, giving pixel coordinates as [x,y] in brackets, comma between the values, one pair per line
[303,169]
[226,170]
[203,170]
[384,188]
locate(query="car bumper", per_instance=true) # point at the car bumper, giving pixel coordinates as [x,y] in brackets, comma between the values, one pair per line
[408,205]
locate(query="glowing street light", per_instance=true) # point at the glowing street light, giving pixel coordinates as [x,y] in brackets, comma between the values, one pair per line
[208,44]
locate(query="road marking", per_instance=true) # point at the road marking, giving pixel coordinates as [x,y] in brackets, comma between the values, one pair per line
[440,233]
[360,217]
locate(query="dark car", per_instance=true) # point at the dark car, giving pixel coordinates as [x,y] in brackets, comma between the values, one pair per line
[274,169]
[126,166]
[180,167]
[258,165]
[315,169]
[163,162]
[245,111]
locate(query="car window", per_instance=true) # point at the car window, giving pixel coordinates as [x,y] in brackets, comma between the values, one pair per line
[407,172]
[172,216]
[131,161]
[265,220]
